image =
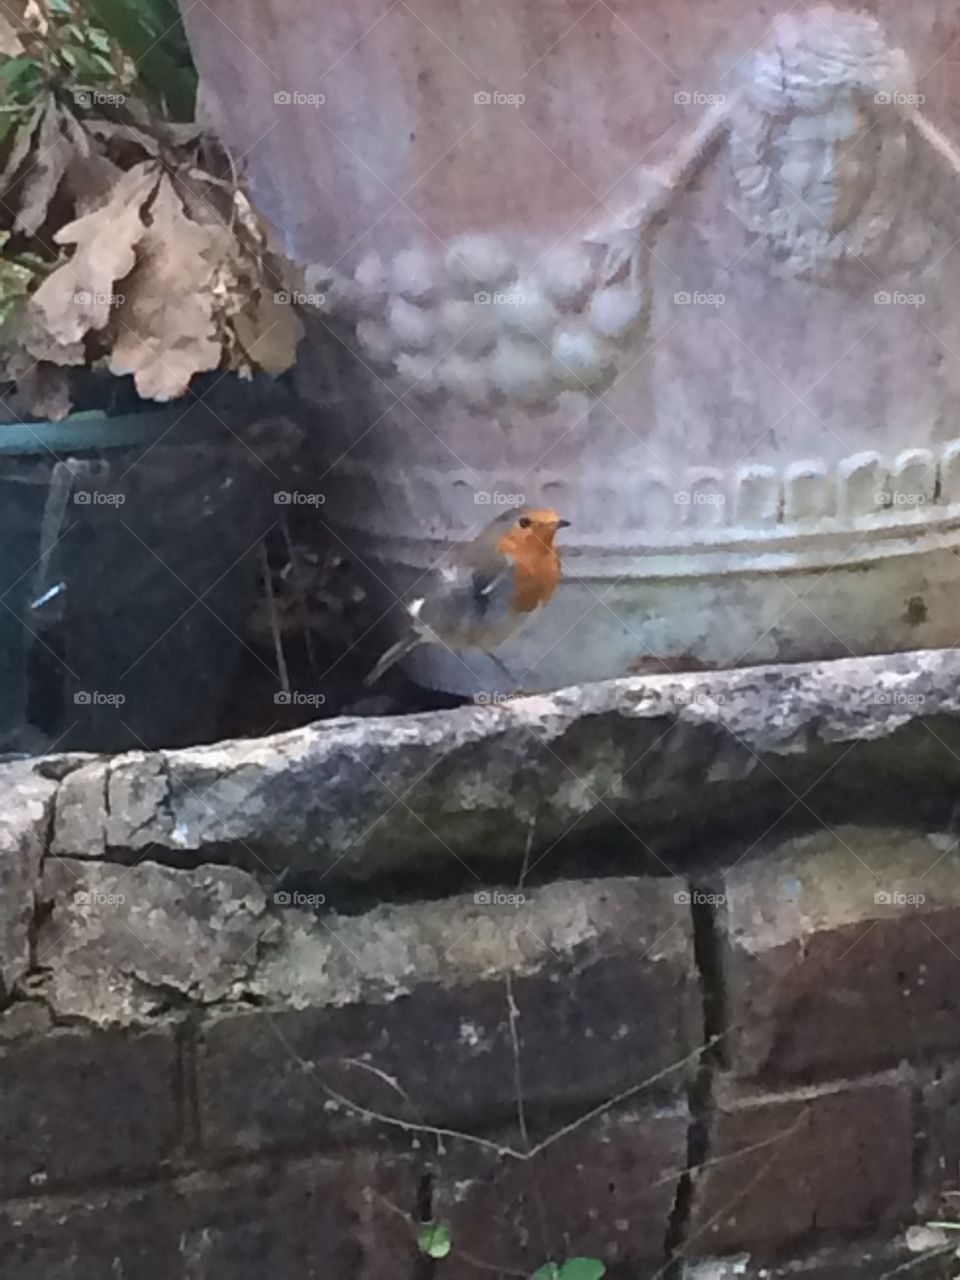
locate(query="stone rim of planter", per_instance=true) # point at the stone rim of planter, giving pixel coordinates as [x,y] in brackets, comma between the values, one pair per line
[465,795]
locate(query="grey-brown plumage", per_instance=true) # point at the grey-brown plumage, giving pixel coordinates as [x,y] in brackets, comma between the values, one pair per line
[486,589]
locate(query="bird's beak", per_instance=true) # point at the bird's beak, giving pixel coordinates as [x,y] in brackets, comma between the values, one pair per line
[563,524]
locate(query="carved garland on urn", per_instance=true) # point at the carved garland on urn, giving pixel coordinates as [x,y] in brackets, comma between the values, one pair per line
[827,109]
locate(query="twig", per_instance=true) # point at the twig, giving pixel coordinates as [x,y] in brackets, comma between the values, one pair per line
[274,620]
[381,1075]
[513,1016]
[409,1126]
[672,1174]
[531,829]
[391,1082]
[761,1173]
[458,1135]
[620,1097]
[301,599]
[910,1263]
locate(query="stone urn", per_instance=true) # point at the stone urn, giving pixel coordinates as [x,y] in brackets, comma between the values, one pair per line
[695,288]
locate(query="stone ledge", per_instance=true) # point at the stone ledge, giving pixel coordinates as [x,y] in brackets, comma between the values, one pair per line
[451,792]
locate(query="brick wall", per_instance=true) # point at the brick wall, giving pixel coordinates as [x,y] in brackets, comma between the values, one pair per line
[207,1074]
[297,1130]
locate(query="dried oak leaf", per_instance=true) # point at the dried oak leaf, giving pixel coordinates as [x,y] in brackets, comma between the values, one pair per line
[38,344]
[52,155]
[167,326]
[78,296]
[90,181]
[11,27]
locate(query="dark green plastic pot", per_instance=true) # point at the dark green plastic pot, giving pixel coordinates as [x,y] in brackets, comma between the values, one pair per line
[136,615]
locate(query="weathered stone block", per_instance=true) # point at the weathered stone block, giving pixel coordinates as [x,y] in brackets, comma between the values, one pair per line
[79,828]
[840,953]
[76,1105]
[411,1014]
[119,943]
[322,1220]
[606,1191]
[802,1167]
[26,802]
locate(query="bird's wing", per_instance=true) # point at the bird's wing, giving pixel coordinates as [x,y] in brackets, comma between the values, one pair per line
[489,574]
[477,585]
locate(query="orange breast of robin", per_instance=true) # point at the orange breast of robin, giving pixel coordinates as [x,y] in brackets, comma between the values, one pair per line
[536,574]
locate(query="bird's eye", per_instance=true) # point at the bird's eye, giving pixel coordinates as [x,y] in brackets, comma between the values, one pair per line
[524,522]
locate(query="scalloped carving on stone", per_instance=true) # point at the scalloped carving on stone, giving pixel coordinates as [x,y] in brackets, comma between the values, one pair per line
[810,492]
[913,479]
[707,497]
[948,490]
[753,500]
[758,498]
[863,481]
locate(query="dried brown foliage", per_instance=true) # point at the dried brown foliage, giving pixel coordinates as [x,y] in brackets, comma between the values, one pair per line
[149,257]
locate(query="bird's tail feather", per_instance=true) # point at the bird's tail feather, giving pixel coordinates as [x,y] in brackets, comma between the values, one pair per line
[393,655]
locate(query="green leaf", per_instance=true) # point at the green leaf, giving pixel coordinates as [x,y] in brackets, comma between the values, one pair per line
[582,1269]
[434,1240]
[17,72]
[572,1269]
[150,32]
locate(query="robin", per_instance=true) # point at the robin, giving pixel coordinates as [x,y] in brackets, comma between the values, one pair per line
[488,589]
